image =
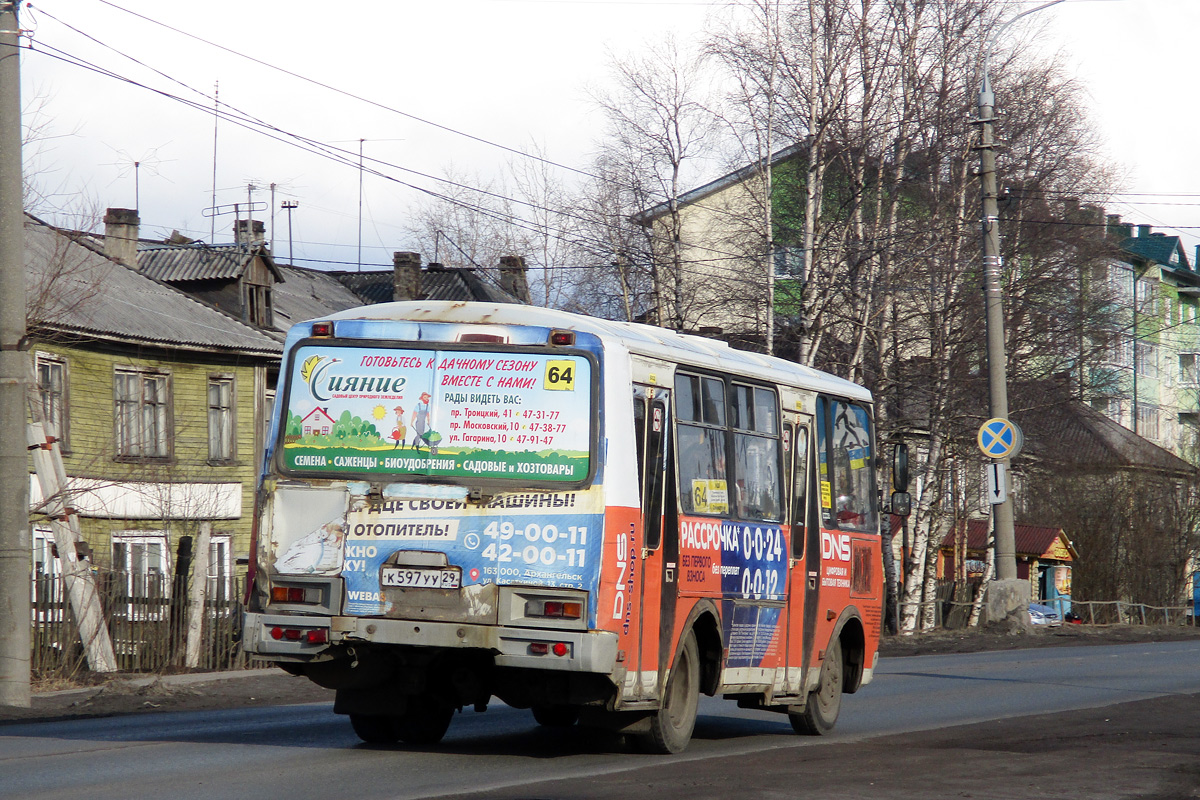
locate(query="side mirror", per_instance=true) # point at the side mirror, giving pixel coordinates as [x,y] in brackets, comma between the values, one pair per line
[900,468]
[901,504]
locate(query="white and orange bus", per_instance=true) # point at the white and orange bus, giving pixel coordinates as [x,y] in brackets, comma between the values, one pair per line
[596,520]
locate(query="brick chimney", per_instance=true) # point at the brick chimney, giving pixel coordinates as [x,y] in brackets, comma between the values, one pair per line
[257,235]
[406,276]
[121,235]
[1143,231]
[513,277]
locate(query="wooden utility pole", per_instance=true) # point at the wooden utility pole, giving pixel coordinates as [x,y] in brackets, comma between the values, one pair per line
[77,575]
[16,550]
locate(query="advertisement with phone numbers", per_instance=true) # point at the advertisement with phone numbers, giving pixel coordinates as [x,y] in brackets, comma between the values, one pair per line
[529,538]
[745,564]
[453,414]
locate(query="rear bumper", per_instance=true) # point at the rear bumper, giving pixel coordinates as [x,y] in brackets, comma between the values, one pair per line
[586,651]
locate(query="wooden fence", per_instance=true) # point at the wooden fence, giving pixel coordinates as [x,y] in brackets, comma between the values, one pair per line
[147,621]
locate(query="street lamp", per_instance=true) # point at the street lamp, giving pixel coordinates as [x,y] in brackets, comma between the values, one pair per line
[1002,513]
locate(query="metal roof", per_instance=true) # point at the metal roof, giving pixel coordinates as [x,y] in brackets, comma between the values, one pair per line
[437,283]
[198,261]
[1031,540]
[1075,435]
[72,288]
[309,294]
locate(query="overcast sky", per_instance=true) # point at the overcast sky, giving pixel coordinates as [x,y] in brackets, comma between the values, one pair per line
[512,72]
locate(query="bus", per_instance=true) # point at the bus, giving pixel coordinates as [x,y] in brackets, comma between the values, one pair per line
[598,521]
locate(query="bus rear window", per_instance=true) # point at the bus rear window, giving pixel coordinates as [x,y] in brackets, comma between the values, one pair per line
[461,415]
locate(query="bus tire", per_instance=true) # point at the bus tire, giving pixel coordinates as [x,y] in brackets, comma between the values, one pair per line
[555,716]
[375,729]
[424,722]
[671,726]
[823,705]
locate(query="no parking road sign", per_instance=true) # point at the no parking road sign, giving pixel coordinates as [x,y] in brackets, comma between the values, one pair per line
[1000,438]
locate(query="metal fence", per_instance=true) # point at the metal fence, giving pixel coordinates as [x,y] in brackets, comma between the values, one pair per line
[147,621]
[952,607]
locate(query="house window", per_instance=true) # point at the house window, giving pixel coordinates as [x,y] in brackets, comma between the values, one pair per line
[140,559]
[142,410]
[52,390]
[220,568]
[1147,298]
[1147,355]
[1121,351]
[1187,369]
[1147,419]
[1120,281]
[220,419]
[258,305]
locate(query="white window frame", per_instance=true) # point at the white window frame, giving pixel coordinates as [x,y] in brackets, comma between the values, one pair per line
[142,412]
[220,567]
[131,556]
[54,400]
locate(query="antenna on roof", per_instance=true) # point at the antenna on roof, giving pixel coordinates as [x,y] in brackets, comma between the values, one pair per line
[212,233]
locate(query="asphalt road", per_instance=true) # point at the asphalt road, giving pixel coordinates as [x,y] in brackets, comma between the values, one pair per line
[306,751]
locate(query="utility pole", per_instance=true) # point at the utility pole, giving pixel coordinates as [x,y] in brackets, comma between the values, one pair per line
[290,205]
[1009,600]
[993,275]
[15,547]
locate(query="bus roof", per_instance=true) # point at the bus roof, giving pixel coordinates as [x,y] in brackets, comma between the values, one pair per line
[645,340]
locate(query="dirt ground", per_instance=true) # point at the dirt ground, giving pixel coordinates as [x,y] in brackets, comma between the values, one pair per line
[130,694]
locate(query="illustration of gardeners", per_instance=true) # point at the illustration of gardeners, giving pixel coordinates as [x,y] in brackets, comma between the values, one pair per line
[420,421]
[398,433]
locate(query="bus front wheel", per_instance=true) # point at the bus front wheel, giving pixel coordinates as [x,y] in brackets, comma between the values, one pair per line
[671,726]
[821,710]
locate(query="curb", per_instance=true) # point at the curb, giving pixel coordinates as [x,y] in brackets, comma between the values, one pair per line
[181,679]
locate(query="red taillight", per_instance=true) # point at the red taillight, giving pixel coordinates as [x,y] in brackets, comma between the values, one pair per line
[539,648]
[322,329]
[313,636]
[562,338]
[560,649]
[295,594]
[559,609]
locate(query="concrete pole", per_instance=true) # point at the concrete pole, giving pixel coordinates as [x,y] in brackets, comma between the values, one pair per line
[16,552]
[1007,595]
[993,274]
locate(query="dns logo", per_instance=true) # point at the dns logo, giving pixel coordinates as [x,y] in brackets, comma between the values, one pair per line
[835,546]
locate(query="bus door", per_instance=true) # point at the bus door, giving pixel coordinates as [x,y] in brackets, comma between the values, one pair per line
[804,541]
[656,567]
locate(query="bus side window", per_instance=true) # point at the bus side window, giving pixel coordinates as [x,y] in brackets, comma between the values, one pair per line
[651,434]
[799,486]
[824,482]
[755,418]
[656,459]
[639,435]
[853,467]
[700,439]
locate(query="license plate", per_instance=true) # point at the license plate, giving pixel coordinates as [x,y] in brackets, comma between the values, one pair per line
[421,578]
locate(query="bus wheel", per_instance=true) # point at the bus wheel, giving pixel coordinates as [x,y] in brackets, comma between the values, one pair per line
[374,729]
[556,716]
[821,710]
[425,721]
[671,726]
